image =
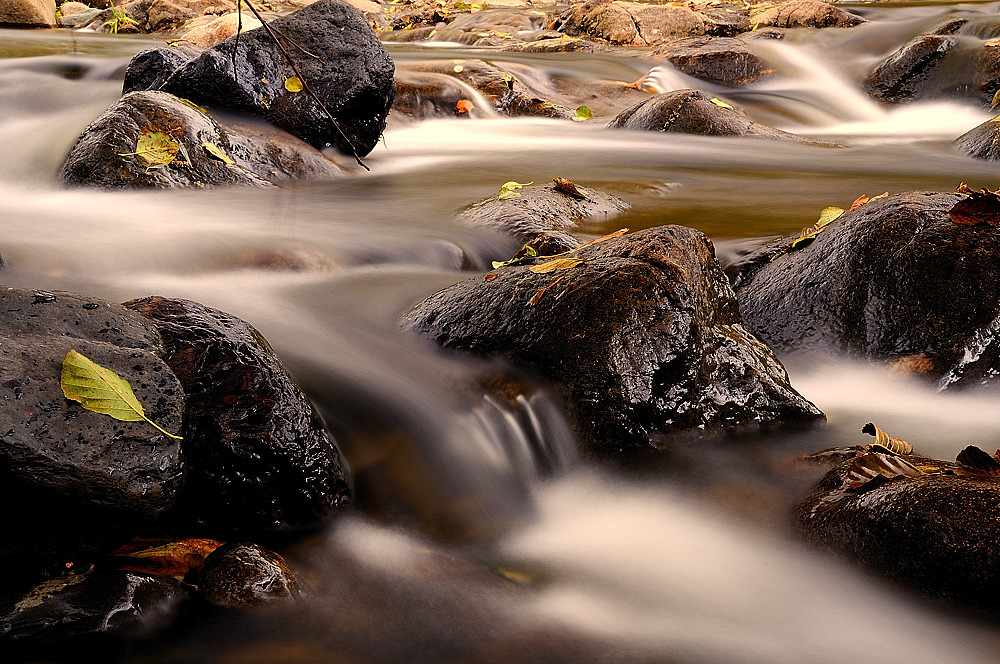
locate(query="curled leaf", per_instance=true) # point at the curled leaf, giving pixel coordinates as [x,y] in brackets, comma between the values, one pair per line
[171,559]
[885,441]
[978,461]
[509,189]
[556,264]
[217,152]
[101,390]
[870,470]
[567,187]
[979,207]
[463,106]
[524,254]
[809,234]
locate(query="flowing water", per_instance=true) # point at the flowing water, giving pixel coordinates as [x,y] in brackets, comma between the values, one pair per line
[691,560]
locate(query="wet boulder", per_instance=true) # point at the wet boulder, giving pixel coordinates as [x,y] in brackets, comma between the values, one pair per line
[28,13]
[893,280]
[241,574]
[803,14]
[545,215]
[336,52]
[912,72]
[928,524]
[982,141]
[259,460]
[717,59]
[153,139]
[695,112]
[640,333]
[79,483]
[48,618]
[634,24]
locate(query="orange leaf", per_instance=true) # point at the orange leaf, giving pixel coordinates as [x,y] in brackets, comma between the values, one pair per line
[463,106]
[981,207]
[173,559]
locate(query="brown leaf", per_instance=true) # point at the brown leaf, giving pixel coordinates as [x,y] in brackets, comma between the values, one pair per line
[870,470]
[567,187]
[979,207]
[538,296]
[491,276]
[172,559]
[978,461]
[885,441]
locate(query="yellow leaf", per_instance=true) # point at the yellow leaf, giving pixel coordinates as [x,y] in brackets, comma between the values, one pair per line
[100,390]
[216,151]
[154,148]
[556,264]
[721,104]
[293,84]
[509,189]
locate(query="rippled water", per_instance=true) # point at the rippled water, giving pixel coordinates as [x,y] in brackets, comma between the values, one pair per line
[692,560]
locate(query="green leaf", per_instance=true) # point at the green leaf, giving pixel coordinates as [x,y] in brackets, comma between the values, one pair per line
[216,151]
[582,113]
[154,148]
[101,390]
[525,253]
[509,189]
[721,104]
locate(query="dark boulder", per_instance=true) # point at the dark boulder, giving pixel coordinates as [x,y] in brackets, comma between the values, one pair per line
[79,483]
[207,152]
[982,141]
[339,57]
[912,72]
[259,459]
[641,336]
[147,70]
[245,574]
[544,215]
[695,112]
[928,524]
[49,618]
[716,59]
[895,279]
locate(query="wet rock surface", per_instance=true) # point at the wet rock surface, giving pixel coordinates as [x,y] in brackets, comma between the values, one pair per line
[932,525]
[351,73]
[694,112]
[641,336]
[635,24]
[259,459]
[242,574]
[717,59]
[912,71]
[895,279]
[982,141]
[109,153]
[82,482]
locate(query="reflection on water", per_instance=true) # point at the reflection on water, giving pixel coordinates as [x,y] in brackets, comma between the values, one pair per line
[566,563]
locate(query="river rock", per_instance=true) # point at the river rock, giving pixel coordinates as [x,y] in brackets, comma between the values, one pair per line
[206,153]
[348,69]
[717,59]
[28,13]
[694,112]
[259,459]
[804,14]
[217,29]
[634,24]
[51,616]
[163,15]
[642,338]
[912,71]
[242,574]
[78,483]
[928,524]
[544,215]
[982,141]
[893,280]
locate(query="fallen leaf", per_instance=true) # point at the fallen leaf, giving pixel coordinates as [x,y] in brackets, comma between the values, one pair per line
[721,104]
[154,148]
[809,234]
[491,276]
[293,84]
[556,264]
[101,390]
[525,253]
[870,470]
[582,113]
[463,106]
[977,460]
[172,559]
[567,187]
[885,441]
[216,151]
[979,207]
[538,296]
[509,189]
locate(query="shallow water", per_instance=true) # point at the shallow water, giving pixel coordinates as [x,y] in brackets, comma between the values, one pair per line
[692,560]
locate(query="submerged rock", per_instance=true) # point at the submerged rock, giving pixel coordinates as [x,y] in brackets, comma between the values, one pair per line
[895,279]
[259,459]
[911,72]
[695,112]
[640,334]
[929,524]
[78,483]
[154,139]
[346,67]
[241,574]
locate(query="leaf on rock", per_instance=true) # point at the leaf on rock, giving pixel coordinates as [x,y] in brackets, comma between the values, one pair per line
[509,189]
[978,461]
[809,234]
[979,207]
[863,199]
[171,559]
[154,148]
[721,104]
[293,84]
[582,113]
[871,470]
[885,441]
[568,187]
[524,254]
[101,390]
[556,264]
[218,153]
[463,106]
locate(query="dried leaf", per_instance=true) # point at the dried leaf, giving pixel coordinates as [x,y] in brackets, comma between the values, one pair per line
[556,264]
[809,234]
[582,113]
[491,276]
[979,207]
[885,441]
[996,100]
[101,390]
[154,148]
[977,460]
[172,559]
[293,84]
[509,189]
[538,296]
[463,106]
[567,187]
[721,104]
[870,470]
[216,151]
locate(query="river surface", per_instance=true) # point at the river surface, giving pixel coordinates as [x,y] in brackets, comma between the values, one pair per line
[483,536]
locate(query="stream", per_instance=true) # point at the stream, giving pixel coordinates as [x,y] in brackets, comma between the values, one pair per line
[484,536]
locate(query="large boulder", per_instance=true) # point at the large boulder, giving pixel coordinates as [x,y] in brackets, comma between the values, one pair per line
[695,112]
[803,14]
[640,333]
[982,141]
[895,279]
[154,139]
[912,72]
[78,483]
[717,59]
[635,24]
[339,57]
[932,525]
[28,13]
[259,459]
